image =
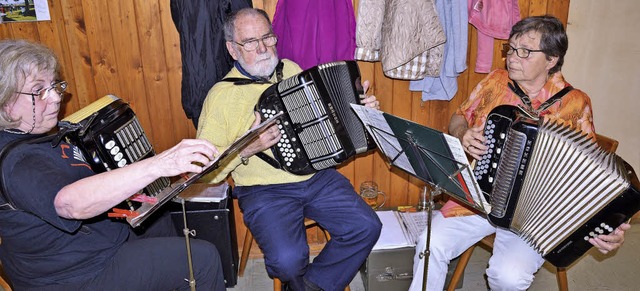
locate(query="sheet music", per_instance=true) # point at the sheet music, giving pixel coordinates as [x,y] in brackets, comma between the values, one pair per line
[415,222]
[400,229]
[377,126]
[394,232]
[474,188]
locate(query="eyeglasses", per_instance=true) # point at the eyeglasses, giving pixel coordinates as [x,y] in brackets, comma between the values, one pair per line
[521,52]
[251,45]
[59,87]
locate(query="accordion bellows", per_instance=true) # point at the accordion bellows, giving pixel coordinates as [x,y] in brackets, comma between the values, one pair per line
[553,185]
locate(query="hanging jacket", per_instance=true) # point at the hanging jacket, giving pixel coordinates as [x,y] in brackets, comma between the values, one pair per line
[492,19]
[411,40]
[205,59]
[312,32]
[453,17]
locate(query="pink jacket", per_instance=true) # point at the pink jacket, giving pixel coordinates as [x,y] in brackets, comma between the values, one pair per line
[493,19]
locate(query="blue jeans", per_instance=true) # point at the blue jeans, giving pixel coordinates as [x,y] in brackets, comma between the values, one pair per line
[275,215]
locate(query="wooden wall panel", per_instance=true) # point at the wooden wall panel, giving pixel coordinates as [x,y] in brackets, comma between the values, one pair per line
[131,49]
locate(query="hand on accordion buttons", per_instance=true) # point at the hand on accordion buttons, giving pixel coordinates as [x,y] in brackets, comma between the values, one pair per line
[267,139]
[606,243]
[473,142]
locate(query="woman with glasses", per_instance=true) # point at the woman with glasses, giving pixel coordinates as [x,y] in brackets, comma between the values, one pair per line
[535,54]
[53,224]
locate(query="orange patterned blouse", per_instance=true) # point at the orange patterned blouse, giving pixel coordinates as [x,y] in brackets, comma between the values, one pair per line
[573,109]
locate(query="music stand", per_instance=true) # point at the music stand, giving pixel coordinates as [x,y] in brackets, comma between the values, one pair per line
[427,154]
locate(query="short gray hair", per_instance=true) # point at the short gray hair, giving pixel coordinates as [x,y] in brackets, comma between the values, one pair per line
[229,23]
[18,60]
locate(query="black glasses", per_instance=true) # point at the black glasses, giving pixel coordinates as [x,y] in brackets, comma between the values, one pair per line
[521,52]
[58,87]
[251,45]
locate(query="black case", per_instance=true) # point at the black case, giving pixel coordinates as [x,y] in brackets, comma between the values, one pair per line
[213,222]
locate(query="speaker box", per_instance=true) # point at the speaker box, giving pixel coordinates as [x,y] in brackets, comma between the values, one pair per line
[213,222]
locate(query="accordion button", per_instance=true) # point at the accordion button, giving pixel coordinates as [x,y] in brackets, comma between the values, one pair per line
[118,157]
[490,179]
[288,164]
[122,163]
[115,150]
[110,144]
[586,238]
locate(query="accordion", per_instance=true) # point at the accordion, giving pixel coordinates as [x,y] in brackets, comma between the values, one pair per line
[319,128]
[552,185]
[110,137]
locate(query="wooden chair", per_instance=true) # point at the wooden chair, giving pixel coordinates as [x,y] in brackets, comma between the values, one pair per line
[248,241]
[608,144]
[3,283]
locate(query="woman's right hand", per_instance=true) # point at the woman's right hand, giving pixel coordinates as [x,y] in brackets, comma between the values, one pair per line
[188,156]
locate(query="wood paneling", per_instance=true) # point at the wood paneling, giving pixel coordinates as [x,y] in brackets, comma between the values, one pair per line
[131,49]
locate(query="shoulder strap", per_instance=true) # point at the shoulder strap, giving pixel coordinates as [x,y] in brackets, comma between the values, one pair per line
[527,101]
[247,81]
[555,98]
[8,204]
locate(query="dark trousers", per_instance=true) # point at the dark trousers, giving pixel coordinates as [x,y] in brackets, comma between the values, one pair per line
[275,214]
[157,260]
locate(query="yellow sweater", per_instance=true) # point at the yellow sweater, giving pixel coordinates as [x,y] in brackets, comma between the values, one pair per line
[227,113]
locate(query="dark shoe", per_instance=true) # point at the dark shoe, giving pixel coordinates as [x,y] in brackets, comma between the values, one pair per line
[310,286]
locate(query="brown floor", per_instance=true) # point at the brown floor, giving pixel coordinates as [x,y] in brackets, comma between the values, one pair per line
[594,271]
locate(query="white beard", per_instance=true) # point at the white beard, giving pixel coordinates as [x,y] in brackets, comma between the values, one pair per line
[263,67]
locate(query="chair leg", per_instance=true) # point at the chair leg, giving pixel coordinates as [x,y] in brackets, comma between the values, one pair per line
[277,284]
[561,275]
[246,247]
[462,264]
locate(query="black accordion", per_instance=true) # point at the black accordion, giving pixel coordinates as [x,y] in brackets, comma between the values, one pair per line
[319,128]
[553,185]
[110,136]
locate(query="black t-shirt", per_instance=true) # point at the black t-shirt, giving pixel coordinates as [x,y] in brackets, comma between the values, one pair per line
[40,248]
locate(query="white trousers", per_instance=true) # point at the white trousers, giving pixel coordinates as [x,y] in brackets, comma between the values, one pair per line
[511,267]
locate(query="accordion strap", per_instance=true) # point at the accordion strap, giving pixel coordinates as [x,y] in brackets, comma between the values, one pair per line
[527,101]
[269,160]
[254,80]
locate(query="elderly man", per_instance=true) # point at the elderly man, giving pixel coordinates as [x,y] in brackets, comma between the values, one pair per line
[274,203]
[535,55]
